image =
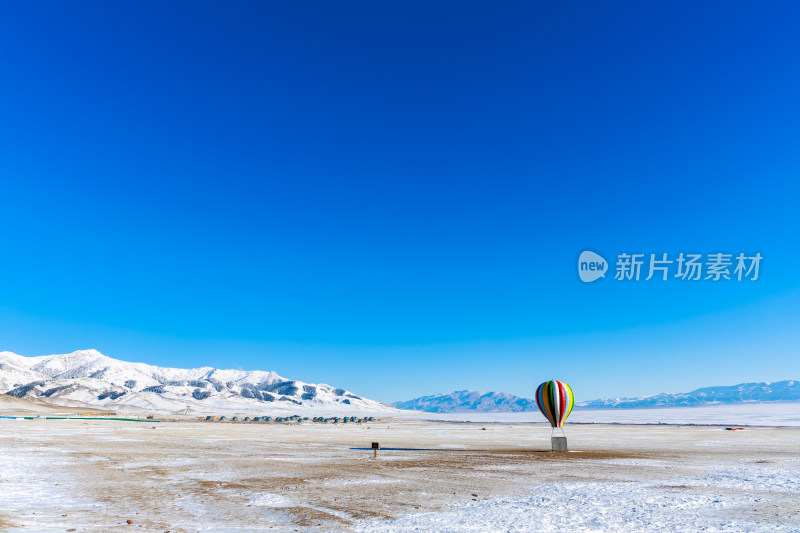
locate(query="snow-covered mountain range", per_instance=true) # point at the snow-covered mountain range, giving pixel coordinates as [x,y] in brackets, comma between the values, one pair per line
[469,400]
[777,391]
[478,401]
[89,378]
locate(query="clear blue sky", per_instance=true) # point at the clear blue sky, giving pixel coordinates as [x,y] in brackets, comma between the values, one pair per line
[391,197]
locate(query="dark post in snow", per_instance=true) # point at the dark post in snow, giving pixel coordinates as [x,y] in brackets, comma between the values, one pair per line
[375,448]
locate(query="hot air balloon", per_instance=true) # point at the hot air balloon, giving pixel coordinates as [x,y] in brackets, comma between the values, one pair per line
[555,400]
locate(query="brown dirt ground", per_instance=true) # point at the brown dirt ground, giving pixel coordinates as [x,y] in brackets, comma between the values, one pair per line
[185,474]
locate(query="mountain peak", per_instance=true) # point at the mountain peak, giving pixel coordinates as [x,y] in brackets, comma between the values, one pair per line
[87,377]
[765,391]
[467,401]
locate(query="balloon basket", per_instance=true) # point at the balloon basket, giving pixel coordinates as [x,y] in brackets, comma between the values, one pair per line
[559,444]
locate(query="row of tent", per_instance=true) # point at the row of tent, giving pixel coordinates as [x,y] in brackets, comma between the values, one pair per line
[345,420]
[296,418]
[293,418]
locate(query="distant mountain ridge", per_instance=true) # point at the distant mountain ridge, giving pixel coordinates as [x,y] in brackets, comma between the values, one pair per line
[89,378]
[479,401]
[467,400]
[778,391]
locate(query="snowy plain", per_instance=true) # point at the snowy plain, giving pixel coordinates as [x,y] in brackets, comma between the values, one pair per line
[185,475]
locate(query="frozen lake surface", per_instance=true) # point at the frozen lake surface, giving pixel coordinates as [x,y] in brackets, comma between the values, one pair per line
[749,414]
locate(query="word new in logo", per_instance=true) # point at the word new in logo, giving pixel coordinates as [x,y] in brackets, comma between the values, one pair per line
[591,266]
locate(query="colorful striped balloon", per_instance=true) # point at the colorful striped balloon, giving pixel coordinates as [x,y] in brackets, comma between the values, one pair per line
[555,400]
